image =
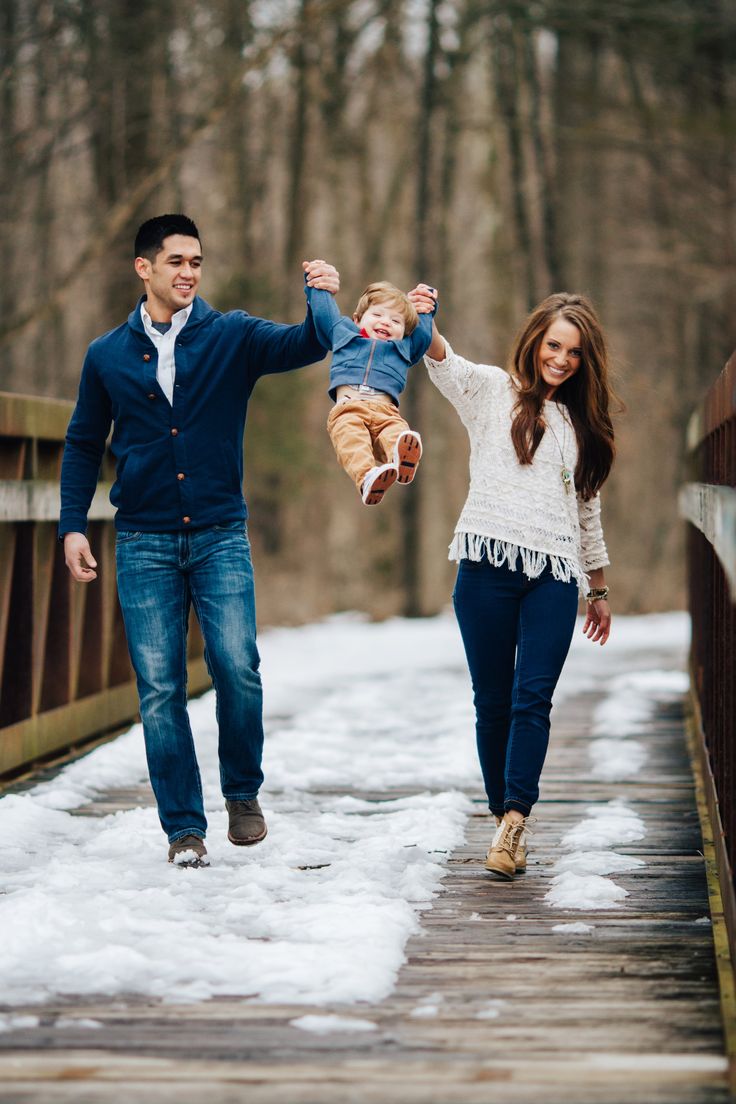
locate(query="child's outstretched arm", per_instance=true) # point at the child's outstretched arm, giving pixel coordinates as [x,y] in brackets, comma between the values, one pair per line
[321,281]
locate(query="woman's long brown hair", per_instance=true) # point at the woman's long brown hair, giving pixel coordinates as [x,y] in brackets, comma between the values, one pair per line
[587,394]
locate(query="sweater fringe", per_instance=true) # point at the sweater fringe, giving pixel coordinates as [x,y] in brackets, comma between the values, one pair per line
[473,546]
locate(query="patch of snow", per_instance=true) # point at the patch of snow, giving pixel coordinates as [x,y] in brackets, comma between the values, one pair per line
[625,712]
[187,858]
[703,920]
[576,928]
[597,862]
[71,1022]
[490,1010]
[680,1063]
[427,1007]
[17,1023]
[328,1025]
[608,825]
[584,891]
[631,634]
[319,912]
[581,882]
[616,760]
[632,698]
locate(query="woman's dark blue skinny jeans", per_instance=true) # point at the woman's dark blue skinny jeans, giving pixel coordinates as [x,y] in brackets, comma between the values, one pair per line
[516,632]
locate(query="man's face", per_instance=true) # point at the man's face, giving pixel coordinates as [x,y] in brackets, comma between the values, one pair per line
[172,279]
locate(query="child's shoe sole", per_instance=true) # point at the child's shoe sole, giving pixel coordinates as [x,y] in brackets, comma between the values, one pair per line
[376,484]
[407,454]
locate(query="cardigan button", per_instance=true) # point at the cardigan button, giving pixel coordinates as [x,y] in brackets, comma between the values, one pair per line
[186,520]
[180,476]
[152,396]
[146,356]
[175,433]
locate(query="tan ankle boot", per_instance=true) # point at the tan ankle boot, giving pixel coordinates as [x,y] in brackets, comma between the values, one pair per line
[521,849]
[504,852]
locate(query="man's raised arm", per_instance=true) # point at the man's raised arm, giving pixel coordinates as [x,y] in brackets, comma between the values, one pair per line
[274,347]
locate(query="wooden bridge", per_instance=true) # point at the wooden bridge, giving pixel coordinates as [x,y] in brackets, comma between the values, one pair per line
[501,997]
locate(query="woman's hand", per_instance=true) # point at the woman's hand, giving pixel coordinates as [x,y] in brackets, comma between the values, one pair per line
[423,298]
[597,625]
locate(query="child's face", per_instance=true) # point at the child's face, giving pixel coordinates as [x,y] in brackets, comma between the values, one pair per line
[383,321]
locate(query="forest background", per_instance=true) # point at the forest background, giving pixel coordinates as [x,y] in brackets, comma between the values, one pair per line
[499,150]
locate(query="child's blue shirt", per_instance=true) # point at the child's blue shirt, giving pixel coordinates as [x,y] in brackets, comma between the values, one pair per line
[357,360]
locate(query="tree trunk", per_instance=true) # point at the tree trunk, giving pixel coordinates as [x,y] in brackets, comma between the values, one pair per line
[413,507]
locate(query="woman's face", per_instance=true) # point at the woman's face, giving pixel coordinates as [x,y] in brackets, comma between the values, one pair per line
[559,354]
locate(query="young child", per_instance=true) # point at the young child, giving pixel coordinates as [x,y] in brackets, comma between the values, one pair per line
[371,356]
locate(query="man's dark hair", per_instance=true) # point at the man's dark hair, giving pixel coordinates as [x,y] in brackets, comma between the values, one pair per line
[149,241]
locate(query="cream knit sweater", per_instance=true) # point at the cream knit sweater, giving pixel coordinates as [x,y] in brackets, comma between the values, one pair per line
[518,511]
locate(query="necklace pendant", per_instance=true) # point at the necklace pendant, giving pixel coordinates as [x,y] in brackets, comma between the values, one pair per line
[566,479]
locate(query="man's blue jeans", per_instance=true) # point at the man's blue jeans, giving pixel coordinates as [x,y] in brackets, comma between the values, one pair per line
[160,575]
[516,632]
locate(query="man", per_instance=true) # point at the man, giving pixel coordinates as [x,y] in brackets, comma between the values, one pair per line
[175,380]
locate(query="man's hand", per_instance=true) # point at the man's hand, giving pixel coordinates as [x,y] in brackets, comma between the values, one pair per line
[322,275]
[79,558]
[423,297]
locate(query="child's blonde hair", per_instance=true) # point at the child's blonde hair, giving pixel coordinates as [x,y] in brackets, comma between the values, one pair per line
[383,292]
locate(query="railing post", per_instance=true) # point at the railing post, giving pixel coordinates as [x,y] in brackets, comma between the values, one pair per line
[66,677]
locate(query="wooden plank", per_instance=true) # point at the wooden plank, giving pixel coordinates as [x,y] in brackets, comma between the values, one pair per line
[31,416]
[45,548]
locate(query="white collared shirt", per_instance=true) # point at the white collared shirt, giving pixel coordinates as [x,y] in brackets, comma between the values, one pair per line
[164,342]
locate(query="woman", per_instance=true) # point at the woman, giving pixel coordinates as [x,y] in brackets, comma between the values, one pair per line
[529,536]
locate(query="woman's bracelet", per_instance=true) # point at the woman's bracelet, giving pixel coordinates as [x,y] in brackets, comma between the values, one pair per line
[597,594]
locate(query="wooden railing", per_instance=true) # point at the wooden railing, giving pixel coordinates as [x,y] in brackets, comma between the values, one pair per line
[708,503]
[66,677]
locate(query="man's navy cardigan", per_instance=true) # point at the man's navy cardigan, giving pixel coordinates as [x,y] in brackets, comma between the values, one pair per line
[179,467]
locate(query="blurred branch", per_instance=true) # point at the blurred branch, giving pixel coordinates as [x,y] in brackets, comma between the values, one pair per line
[116,218]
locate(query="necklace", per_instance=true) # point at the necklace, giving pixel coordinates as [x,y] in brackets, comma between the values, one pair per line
[565,473]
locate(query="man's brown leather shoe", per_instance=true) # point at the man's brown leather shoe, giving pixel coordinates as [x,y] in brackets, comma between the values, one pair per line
[247,823]
[188,851]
